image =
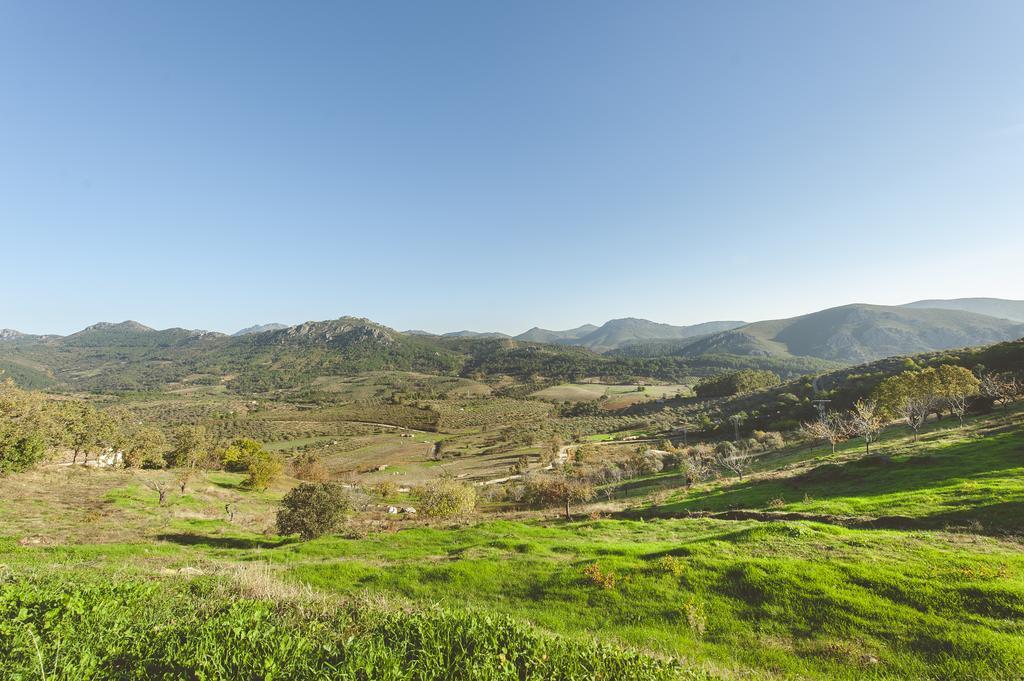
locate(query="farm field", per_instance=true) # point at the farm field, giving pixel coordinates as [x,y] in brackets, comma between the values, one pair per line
[723,597]
[617,396]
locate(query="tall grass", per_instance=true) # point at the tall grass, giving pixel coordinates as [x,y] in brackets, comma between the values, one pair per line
[57,629]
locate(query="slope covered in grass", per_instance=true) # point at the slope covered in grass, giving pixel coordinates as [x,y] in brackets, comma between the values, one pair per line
[951,478]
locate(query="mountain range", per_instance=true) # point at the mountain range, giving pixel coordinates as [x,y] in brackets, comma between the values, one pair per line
[993,307]
[859,333]
[131,356]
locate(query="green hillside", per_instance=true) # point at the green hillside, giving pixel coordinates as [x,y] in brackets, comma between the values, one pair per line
[859,333]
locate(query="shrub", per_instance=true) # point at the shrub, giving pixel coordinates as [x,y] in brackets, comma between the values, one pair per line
[263,470]
[22,453]
[447,498]
[237,456]
[313,509]
[736,383]
[672,565]
[310,469]
[385,489]
[598,577]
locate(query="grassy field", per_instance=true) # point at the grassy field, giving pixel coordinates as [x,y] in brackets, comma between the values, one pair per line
[907,563]
[952,478]
[618,396]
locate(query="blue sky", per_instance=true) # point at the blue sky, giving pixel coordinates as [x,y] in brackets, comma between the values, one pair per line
[495,165]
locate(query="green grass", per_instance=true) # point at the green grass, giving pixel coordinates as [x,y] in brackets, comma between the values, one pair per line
[949,479]
[790,599]
[103,592]
[141,630]
[800,598]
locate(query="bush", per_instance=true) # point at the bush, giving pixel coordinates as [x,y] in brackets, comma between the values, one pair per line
[237,456]
[447,498]
[22,453]
[313,509]
[263,470]
[308,468]
[736,383]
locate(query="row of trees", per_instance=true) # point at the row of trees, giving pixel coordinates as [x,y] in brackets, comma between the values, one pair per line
[33,425]
[913,396]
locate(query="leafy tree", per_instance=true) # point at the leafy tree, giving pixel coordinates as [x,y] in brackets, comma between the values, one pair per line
[26,427]
[312,509]
[80,425]
[447,498]
[737,383]
[145,447]
[564,489]
[957,385]
[189,447]
[237,456]
[263,469]
[910,395]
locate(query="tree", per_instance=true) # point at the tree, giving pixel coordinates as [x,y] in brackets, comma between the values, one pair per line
[732,458]
[190,447]
[307,467]
[910,395]
[737,420]
[80,425]
[262,470]
[957,385]
[26,427]
[865,422]
[159,486]
[144,447]
[563,489]
[312,509]
[184,477]
[447,497]
[237,456]
[999,387]
[695,467]
[831,428]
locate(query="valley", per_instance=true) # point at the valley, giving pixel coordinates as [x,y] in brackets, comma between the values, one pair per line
[680,514]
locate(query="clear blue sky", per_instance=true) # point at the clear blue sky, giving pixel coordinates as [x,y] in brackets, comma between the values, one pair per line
[493,165]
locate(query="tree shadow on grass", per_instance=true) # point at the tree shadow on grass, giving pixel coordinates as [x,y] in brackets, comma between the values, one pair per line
[186,539]
[867,476]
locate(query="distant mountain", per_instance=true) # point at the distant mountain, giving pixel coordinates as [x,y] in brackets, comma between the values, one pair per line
[259,328]
[475,334]
[131,334]
[619,333]
[11,334]
[539,335]
[993,307]
[859,333]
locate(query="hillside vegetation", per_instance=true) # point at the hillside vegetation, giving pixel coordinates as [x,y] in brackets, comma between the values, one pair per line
[859,333]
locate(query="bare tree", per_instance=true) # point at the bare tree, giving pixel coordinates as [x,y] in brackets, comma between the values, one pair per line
[865,422]
[158,486]
[733,459]
[831,428]
[696,468]
[999,387]
[184,477]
